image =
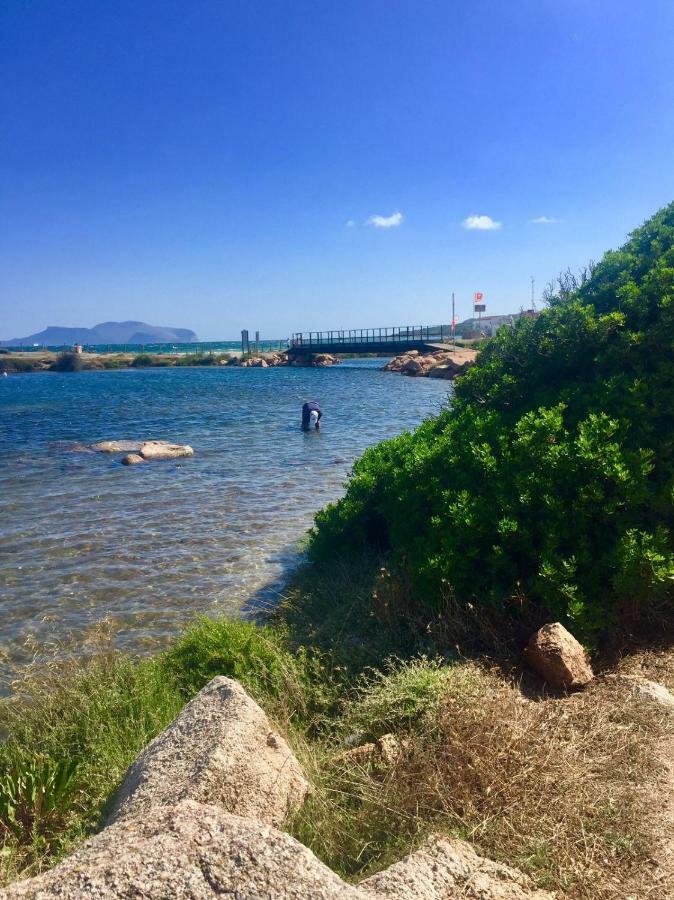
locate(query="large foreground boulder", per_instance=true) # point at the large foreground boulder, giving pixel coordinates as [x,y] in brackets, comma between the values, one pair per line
[222,750]
[189,850]
[558,657]
[197,851]
[444,869]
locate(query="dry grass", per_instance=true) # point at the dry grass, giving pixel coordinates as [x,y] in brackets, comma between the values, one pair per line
[656,664]
[552,787]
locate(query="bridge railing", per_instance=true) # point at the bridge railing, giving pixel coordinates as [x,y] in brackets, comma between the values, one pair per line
[394,335]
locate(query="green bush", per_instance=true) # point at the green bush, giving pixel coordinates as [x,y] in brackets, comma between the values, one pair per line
[142,361]
[67,362]
[203,359]
[548,484]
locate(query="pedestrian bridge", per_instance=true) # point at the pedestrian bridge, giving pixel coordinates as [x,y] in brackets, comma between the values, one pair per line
[394,340]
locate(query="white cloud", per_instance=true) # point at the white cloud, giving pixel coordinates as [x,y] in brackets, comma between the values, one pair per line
[391,221]
[544,220]
[481,223]
[350,223]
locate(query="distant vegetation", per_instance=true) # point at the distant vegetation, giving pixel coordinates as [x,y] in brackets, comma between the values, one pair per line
[11,364]
[148,360]
[67,362]
[546,488]
[202,359]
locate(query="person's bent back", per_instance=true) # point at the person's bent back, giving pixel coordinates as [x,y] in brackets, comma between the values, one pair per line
[311,415]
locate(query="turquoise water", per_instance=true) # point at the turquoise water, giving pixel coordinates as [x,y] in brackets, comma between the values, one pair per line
[85,540]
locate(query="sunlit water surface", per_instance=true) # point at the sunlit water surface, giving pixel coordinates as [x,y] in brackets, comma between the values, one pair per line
[145,548]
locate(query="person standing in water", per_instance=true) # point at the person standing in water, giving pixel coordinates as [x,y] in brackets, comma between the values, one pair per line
[311,415]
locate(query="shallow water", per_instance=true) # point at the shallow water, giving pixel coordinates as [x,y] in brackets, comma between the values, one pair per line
[85,539]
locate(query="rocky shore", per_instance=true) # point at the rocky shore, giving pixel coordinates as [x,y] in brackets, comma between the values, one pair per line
[202,812]
[282,359]
[438,364]
[199,814]
[14,363]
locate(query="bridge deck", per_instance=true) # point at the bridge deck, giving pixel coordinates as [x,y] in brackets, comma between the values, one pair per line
[372,340]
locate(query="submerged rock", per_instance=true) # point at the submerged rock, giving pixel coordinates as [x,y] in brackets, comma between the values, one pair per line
[221,749]
[132,459]
[558,657]
[164,450]
[144,449]
[117,446]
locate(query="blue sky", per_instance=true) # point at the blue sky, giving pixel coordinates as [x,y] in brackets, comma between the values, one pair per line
[221,165]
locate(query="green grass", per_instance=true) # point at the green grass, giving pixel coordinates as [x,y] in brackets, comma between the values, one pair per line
[287,681]
[404,695]
[73,729]
[72,733]
[115,362]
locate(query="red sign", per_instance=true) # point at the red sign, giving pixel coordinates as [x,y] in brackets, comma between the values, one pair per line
[477,297]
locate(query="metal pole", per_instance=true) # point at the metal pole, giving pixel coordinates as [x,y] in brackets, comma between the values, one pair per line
[453,320]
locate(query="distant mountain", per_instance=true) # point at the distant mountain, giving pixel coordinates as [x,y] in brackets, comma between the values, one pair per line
[106,333]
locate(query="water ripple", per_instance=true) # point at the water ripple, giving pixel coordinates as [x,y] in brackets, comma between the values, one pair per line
[83,538]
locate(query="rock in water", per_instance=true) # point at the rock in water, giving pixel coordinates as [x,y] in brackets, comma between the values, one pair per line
[132,459]
[221,749]
[116,446]
[164,450]
[558,657]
